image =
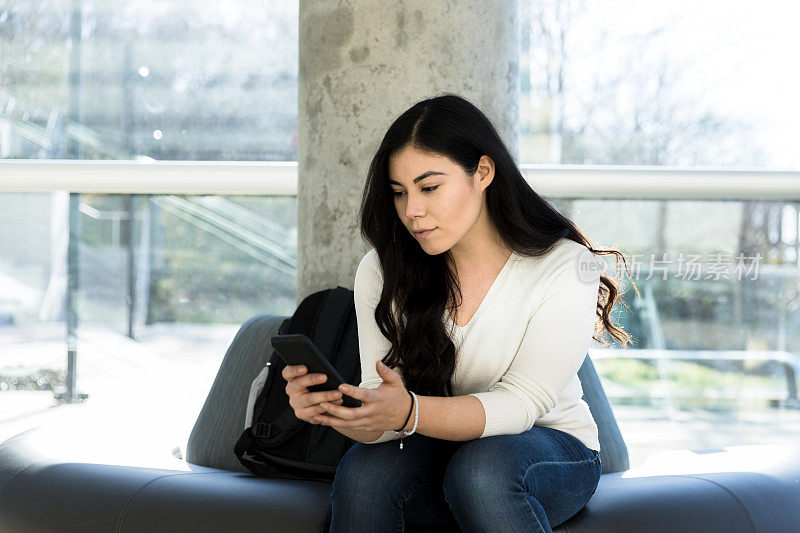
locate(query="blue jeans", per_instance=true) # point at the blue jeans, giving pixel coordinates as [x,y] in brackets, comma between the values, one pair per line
[529,482]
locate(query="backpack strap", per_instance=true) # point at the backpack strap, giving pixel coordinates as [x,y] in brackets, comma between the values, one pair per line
[338,304]
[281,428]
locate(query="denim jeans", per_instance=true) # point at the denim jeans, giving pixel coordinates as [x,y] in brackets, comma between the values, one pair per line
[529,482]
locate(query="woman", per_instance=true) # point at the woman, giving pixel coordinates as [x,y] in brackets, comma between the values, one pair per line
[483,393]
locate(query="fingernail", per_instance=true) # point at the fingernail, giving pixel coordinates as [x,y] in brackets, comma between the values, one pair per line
[344,388]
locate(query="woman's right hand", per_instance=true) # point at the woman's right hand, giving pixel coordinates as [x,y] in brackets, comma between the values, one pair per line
[305,403]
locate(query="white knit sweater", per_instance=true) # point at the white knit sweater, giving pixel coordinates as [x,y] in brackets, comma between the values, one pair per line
[520,352]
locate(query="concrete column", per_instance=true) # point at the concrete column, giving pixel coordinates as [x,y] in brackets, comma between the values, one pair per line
[364,62]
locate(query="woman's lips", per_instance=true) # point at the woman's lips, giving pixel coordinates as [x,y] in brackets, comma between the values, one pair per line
[424,233]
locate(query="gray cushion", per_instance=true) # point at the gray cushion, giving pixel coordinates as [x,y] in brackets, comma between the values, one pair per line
[221,420]
[613,451]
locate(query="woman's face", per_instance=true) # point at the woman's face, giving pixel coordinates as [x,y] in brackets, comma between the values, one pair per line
[444,200]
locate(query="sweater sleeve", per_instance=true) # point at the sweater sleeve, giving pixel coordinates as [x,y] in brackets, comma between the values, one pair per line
[372,345]
[552,350]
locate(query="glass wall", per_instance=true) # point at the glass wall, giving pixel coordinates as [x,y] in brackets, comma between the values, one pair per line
[713,315]
[162,282]
[683,84]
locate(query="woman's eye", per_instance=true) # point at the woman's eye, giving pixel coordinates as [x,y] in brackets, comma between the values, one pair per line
[426,189]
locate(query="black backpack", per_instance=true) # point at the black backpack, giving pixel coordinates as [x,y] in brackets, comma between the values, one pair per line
[280,445]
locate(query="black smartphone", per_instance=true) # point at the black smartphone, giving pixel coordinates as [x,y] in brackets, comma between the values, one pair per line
[298,349]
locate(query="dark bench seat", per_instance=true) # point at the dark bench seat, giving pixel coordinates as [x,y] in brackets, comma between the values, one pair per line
[52,482]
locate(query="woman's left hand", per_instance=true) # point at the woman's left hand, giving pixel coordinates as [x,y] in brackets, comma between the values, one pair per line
[382,408]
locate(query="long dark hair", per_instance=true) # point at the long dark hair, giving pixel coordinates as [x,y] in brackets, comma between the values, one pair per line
[419,285]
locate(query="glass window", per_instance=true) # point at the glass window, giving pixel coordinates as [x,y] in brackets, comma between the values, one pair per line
[170,80]
[676,83]
[160,284]
[715,322]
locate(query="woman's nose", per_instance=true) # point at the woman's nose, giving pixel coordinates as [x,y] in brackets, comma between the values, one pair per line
[415,206]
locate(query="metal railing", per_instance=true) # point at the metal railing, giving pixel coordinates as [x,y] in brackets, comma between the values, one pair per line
[280,178]
[789,362]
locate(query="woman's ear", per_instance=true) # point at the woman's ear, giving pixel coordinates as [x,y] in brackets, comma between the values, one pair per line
[485,171]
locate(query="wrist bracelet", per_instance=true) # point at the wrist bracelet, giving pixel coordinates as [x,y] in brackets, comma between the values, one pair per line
[409,415]
[416,420]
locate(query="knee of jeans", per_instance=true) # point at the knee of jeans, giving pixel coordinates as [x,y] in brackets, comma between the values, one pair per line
[358,476]
[469,477]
